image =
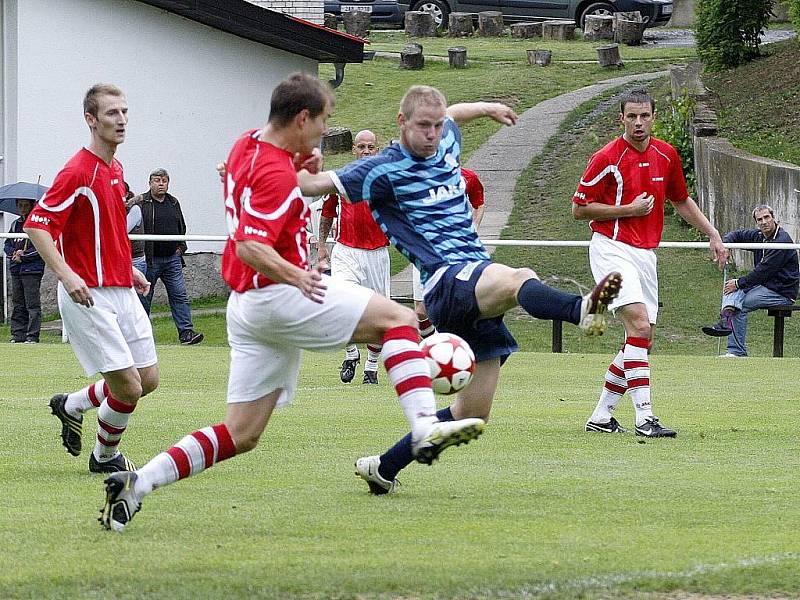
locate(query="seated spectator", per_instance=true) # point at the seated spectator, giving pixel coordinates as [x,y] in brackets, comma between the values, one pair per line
[27,269]
[773,282]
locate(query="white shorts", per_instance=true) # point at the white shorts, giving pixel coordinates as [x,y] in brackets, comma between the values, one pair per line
[638,267]
[113,334]
[416,284]
[269,328]
[368,268]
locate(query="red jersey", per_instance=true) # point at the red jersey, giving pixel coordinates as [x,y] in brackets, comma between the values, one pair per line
[355,226]
[618,172]
[263,203]
[84,211]
[474,188]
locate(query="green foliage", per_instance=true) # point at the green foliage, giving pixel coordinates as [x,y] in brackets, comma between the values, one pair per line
[674,125]
[729,31]
[794,12]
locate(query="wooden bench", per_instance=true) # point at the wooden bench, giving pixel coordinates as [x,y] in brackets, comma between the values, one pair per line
[779,314]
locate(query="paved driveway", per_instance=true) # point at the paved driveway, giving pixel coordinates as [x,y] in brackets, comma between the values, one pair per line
[682,38]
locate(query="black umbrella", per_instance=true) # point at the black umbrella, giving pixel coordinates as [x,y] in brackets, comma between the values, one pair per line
[23,190]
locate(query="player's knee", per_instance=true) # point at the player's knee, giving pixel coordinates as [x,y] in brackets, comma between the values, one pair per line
[518,279]
[129,393]
[149,385]
[402,317]
[246,441]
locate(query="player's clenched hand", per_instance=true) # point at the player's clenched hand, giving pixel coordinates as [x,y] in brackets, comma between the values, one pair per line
[311,285]
[642,205]
[502,113]
[310,162]
[140,283]
[77,289]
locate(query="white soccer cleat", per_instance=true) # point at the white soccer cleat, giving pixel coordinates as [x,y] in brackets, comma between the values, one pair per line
[444,434]
[367,469]
[595,304]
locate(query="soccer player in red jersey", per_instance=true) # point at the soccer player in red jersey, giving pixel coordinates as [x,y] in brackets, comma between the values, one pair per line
[622,193]
[278,307]
[361,255]
[84,211]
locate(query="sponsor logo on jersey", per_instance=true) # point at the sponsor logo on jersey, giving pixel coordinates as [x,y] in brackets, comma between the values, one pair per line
[253,231]
[645,164]
[657,179]
[443,192]
[38,219]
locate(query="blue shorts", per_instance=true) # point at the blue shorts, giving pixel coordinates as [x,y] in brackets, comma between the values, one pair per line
[453,308]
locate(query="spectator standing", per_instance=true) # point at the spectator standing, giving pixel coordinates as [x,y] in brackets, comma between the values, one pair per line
[162,215]
[27,269]
[135,226]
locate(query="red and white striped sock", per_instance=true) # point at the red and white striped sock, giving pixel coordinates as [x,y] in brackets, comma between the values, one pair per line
[426,328]
[613,388]
[411,378]
[373,355]
[194,453]
[637,375]
[112,420]
[91,396]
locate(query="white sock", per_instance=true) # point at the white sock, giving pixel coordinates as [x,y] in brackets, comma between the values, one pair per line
[613,389]
[351,352]
[112,420]
[637,376]
[373,354]
[91,396]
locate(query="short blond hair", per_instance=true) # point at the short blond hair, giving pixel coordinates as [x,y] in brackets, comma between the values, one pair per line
[418,95]
[90,103]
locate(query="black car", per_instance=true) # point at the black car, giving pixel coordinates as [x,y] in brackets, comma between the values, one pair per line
[389,12]
[654,12]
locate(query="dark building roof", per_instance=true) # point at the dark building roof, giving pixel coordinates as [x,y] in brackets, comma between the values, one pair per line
[269,28]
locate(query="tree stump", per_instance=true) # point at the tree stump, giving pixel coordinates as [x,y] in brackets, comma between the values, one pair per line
[632,15]
[460,25]
[458,57]
[559,31]
[539,58]
[356,23]
[608,56]
[629,32]
[420,23]
[411,57]
[331,22]
[337,139]
[490,23]
[526,30]
[598,27]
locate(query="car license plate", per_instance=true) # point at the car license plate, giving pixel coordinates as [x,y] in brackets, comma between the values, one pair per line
[356,8]
[666,9]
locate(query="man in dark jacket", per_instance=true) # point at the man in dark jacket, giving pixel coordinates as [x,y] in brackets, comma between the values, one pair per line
[773,281]
[27,269]
[161,215]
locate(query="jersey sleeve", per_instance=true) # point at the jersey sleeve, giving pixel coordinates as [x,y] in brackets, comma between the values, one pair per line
[591,185]
[330,205]
[676,184]
[52,212]
[265,208]
[474,188]
[365,179]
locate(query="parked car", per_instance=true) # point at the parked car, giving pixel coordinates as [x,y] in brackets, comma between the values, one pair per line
[655,12]
[389,12]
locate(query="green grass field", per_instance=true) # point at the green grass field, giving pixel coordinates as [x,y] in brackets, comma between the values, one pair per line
[535,508]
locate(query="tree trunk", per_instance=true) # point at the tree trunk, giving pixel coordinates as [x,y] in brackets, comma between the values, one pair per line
[598,27]
[337,139]
[330,21]
[608,56]
[629,32]
[539,57]
[356,23]
[526,30]
[490,23]
[460,25]
[420,24]
[411,57]
[559,31]
[458,57]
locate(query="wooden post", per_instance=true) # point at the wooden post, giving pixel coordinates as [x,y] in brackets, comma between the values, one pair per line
[598,27]
[557,345]
[560,31]
[490,23]
[526,30]
[330,21]
[420,23]
[411,57]
[459,24]
[458,57]
[608,56]
[356,23]
[540,58]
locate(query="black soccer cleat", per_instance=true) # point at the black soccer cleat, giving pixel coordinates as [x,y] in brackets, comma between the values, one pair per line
[370,377]
[122,501]
[348,370]
[119,463]
[612,426]
[721,328]
[71,427]
[653,429]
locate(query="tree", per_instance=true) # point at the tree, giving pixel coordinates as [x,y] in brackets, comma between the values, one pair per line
[729,31]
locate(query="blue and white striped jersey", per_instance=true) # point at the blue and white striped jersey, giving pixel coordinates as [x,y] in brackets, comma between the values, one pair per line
[419,203]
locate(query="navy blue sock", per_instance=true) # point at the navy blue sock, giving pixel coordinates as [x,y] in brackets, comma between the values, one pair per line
[544,302]
[399,456]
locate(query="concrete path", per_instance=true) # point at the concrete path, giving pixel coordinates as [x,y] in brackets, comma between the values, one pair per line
[502,158]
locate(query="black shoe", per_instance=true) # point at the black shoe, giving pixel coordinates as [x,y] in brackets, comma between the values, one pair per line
[121,503]
[348,370]
[721,328]
[115,465]
[653,429]
[612,426]
[370,377]
[190,337]
[71,428]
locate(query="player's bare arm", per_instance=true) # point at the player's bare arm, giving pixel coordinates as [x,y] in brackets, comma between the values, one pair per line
[691,213]
[467,111]
[315,184]
[325,224]
[267,261]
[73,283]
[477,215]
[595,211]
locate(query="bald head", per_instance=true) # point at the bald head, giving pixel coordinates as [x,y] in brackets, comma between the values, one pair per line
[365,144]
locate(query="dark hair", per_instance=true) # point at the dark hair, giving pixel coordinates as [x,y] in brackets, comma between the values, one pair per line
[637,96]
[90,103]
[298,92]
[763,207]
[159,173]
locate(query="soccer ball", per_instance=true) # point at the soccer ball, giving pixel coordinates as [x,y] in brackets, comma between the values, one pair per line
[450,360]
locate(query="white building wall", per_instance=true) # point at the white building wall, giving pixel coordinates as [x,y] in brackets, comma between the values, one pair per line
[310,10]
[191,91]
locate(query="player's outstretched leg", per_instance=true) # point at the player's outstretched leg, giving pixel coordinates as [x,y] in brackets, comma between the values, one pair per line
[443,435]
[595,304]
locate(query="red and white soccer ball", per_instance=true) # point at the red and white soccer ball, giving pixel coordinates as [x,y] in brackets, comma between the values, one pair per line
[450,360]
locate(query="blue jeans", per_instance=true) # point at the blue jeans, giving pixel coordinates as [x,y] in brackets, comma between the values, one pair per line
[747,301]
[170,271]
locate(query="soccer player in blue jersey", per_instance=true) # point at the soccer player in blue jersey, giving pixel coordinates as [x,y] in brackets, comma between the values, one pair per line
[416,194]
